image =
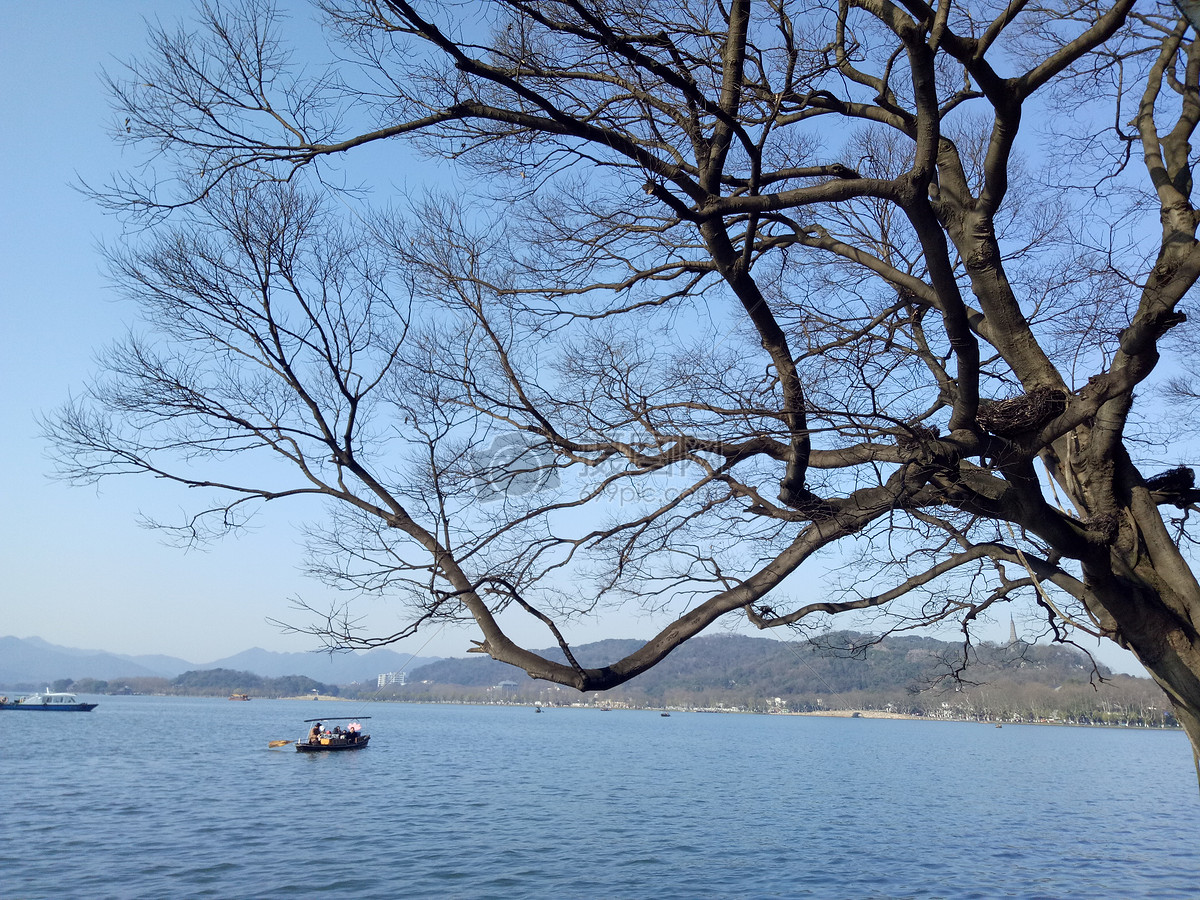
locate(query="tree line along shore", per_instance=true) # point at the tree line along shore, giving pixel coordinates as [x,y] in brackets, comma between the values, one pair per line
[843,674]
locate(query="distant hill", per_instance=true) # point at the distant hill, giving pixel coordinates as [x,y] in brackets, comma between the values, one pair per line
[163,666]
[705,671]
[736,665]
[227,681]
[37,662]
[335,668]
[481,671]
[34,660]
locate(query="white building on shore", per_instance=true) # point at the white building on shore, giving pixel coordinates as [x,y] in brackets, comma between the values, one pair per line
[393,678]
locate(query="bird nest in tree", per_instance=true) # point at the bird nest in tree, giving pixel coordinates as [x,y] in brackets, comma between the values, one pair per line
[1020,415]
[1177,485]
[1172,481]
[1104,527]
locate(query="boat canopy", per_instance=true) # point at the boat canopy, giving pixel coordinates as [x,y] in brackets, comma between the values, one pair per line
[49,697]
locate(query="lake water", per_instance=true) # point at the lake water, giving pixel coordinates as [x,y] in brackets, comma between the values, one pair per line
[180,797]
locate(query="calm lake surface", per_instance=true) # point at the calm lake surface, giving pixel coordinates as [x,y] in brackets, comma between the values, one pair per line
[180,797]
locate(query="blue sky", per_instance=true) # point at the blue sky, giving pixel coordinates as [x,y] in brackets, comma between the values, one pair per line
[78,570]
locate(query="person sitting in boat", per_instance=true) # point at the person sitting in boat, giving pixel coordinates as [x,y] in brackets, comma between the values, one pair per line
[314,733]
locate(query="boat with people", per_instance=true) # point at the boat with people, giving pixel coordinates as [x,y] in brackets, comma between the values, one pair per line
[322,739]
[48,701]
[239,696]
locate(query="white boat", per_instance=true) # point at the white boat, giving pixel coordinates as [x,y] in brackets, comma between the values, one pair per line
[48,701]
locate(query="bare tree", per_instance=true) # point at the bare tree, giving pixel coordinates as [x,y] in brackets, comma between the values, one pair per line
[785,277]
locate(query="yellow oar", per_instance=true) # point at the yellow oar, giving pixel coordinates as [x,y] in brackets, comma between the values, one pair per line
[278,743]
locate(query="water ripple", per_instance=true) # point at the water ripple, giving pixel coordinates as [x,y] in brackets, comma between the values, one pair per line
[164,797]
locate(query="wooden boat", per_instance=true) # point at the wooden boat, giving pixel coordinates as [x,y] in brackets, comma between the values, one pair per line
[48,701]
[334,742]
[239,696]
[350,739]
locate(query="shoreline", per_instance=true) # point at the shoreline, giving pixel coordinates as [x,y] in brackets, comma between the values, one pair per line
[822,713]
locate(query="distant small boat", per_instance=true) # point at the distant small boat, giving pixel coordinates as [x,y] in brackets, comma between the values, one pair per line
[48,701]
[239,696]
[665,715]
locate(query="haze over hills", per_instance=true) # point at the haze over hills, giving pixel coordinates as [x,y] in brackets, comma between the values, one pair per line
[33,660]
[902,672]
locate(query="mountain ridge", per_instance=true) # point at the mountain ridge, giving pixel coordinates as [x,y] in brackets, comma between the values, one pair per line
[718,664]
[838,663]
[34,660]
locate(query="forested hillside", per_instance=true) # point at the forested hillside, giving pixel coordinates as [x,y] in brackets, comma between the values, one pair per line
[838,662]
[203,683]
[843,670]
